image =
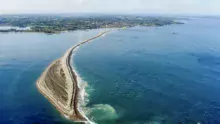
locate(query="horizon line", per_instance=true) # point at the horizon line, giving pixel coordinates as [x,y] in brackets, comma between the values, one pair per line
[96,13]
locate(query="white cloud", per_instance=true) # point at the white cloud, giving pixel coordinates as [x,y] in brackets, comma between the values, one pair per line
[111,6]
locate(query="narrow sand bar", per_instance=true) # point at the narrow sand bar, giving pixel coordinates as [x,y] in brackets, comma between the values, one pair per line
[59,84]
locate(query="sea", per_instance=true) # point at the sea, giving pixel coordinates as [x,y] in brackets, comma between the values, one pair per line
[139,75]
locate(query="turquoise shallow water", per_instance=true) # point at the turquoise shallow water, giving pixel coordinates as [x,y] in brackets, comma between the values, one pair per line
[153,75]
[134,76]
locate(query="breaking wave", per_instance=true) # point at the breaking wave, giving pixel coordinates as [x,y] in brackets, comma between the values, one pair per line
[98,112]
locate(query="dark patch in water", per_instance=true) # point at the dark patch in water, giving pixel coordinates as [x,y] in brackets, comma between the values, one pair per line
[207,59]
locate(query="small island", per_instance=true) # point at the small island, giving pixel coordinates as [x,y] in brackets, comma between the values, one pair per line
[60,23]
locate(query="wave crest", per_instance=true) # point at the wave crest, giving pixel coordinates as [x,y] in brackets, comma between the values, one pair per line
[102,112]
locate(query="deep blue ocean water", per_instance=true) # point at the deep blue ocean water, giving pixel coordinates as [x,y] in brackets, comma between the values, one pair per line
[167,74]
[140,75]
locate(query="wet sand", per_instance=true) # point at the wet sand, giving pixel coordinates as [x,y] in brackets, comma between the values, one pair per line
[58,83]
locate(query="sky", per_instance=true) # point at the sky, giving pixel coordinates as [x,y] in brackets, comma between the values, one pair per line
[111,6]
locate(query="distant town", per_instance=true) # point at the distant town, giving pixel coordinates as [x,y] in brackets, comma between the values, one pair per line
[58,23]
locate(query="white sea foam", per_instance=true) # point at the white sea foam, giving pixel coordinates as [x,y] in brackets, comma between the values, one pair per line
[98,112]
[102,112]
[107,110]
[82,94]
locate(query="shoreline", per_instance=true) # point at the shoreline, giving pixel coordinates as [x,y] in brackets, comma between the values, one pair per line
[13,30]
[62,76]
[56,32]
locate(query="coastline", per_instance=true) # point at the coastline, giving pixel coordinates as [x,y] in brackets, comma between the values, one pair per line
[69,107]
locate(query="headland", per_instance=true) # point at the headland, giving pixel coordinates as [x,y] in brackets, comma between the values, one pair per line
[59,84]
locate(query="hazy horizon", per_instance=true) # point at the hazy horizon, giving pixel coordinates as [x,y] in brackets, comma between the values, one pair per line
[172,7]
[111,14]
